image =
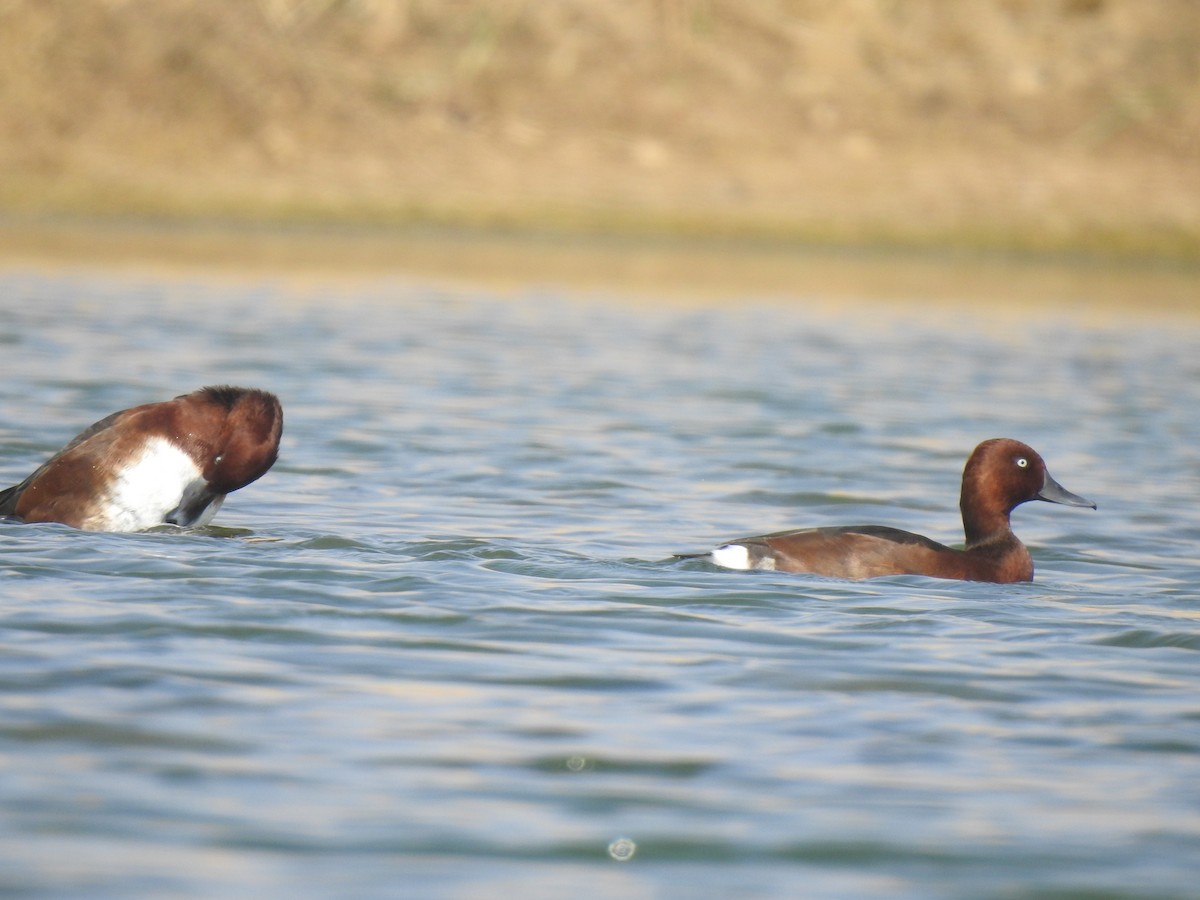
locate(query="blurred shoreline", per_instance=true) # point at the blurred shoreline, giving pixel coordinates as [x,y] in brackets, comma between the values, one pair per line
[657,271]
[997,126]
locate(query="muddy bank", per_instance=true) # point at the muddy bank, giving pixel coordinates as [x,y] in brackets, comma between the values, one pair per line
[996,124]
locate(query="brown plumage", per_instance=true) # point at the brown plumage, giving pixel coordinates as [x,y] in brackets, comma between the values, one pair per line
[160,463]
[1000,475]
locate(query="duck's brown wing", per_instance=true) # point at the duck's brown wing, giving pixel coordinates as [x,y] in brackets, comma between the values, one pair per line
[10,497]
[851,551]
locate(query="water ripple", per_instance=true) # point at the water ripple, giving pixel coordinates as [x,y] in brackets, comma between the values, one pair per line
[443,643]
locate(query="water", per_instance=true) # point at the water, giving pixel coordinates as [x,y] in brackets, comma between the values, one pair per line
[440,649]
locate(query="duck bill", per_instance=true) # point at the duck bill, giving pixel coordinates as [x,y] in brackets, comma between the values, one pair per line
[1054,492]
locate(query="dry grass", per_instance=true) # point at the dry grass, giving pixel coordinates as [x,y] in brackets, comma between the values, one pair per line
[999,123]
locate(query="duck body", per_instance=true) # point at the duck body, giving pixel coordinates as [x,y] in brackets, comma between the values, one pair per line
[1000,475]
[160,463]
[856,552]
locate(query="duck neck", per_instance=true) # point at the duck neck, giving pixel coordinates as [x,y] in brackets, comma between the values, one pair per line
[983,524]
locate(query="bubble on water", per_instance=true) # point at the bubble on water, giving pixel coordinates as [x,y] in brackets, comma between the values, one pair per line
[578,763]
[622,849]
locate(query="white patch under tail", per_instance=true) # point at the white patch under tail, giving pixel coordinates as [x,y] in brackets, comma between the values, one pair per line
[147,489]
[737,556]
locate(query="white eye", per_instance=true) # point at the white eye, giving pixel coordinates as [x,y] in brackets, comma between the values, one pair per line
[1022,462]
[220,456]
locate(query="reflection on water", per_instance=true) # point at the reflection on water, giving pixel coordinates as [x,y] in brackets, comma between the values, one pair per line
[441,644]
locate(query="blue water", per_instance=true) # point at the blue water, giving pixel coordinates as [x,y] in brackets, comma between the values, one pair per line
[440,650]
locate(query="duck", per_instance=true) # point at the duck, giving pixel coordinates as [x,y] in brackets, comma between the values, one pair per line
[166,463]
[999,476]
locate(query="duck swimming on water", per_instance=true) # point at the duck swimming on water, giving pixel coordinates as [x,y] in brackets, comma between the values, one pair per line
[161,463]
[1000,475]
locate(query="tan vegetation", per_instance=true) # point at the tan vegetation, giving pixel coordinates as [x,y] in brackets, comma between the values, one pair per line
[1041,124]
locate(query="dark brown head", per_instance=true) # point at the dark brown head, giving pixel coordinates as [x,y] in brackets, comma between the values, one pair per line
[234,433]
[1000,475]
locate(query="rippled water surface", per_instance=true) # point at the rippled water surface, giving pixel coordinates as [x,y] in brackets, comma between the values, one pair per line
[441,649]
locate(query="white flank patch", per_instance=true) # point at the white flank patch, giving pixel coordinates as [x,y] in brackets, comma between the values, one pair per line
[147,489]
